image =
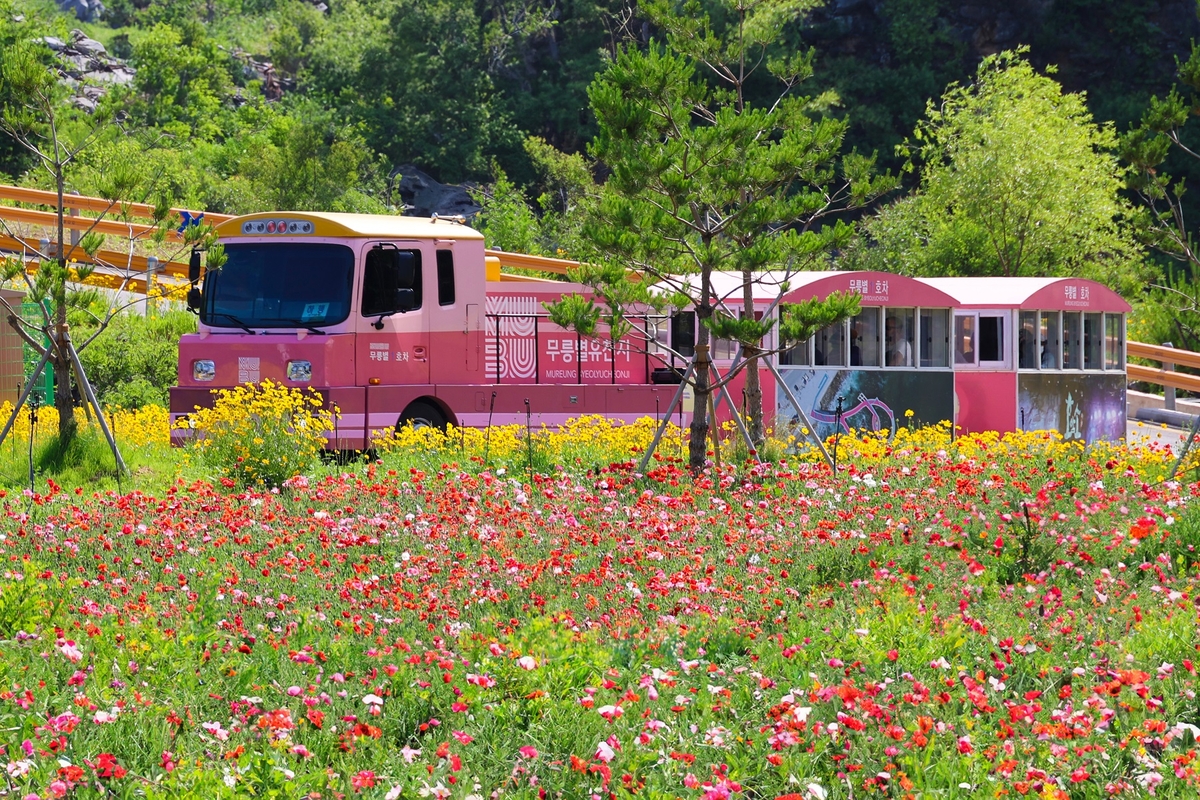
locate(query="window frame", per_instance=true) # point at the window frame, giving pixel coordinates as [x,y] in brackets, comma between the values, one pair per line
[1004,339]
[807,349]
[418,286]
[445,266]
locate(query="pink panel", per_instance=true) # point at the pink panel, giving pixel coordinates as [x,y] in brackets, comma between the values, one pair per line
[242,358]
[1077,294]
[985,401]
[877,289]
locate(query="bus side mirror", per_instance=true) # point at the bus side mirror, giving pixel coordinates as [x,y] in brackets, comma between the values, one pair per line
[194,300]
[406,300]
[405,269]
[194,268]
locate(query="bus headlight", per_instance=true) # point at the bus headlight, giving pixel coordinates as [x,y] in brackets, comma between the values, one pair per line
[204,370]
[299,371]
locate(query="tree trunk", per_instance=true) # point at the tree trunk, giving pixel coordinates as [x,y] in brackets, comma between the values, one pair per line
[63,402]
[698,440]
[702,379]
[62,358]
[753,390]
[754,398]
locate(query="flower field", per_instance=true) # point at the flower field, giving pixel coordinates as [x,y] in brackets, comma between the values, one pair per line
[989,617]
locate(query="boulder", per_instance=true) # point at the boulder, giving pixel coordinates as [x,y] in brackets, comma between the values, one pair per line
[423,196]
[86,67]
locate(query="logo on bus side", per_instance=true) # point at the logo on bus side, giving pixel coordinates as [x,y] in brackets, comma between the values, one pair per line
[877,293]
[1077,296]
[380,351]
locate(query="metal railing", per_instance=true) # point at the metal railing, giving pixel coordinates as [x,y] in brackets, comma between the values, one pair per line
[38,222]
[1165,374]
[76,206]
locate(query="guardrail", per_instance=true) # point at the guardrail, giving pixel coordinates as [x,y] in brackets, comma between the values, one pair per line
[109,217]
[1165,375]
[75,202]
[75,205]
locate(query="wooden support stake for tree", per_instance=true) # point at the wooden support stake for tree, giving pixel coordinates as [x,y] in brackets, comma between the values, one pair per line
[795,401]
[87,407]
[713,428]
[737,417]
[666,420]
[86,386]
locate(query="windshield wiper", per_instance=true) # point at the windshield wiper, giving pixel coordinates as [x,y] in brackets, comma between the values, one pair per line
[299,323]
[232,319]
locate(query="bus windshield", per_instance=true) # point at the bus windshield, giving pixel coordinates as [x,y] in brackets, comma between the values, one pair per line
[279,285]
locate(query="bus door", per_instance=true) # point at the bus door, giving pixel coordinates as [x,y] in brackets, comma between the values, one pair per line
[452,339]
[392,345]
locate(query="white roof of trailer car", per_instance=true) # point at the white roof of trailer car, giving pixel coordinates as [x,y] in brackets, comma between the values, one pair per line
[876,288]
[1068,294]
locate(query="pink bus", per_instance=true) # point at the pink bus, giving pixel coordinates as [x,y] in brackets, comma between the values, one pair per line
[395,319]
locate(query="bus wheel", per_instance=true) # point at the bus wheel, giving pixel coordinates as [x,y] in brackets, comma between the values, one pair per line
[422,415]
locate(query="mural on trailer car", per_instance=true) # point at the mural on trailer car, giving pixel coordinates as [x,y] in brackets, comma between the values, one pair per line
[1085,407]
[872,400]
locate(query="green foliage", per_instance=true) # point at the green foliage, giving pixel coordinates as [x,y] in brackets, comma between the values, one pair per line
[423,93]
[1168,311]
[506,219]
[182,81]
[133,362]
[800,321]
[989,204]
[82,458]
[1171,309]
[311,163]
[703,181]
[554,228]
[300,26]
[575,313]
[515,68]
[14,159]
[25,603]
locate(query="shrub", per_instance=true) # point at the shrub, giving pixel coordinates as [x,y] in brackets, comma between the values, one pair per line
[134,361]
[260,434]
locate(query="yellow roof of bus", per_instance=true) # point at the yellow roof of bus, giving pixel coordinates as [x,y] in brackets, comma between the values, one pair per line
[373,226]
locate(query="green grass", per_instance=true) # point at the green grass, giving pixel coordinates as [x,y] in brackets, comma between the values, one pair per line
[87,462]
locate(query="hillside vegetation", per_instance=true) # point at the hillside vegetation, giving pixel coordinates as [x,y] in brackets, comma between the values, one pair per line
[245,104]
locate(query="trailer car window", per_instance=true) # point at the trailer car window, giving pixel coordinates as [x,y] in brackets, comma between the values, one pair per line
[935,337]
[1051,344]
[991,338]
[864,338]
[829,346]
[1072,340]
[898,332]
[683,333]
[965,352]
[1093,341]
[1027,341]
[1114,345]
